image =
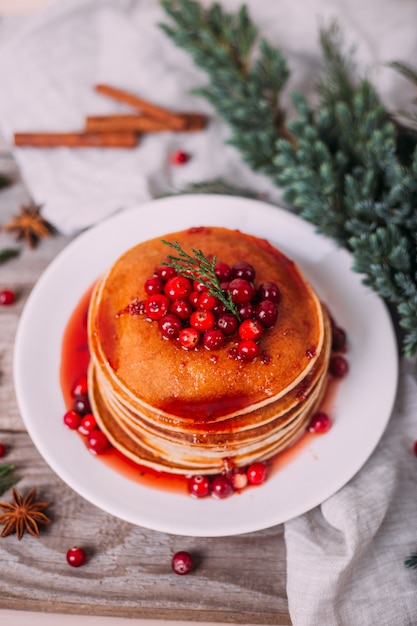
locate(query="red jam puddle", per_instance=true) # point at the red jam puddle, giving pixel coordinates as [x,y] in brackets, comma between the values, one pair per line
[75,358]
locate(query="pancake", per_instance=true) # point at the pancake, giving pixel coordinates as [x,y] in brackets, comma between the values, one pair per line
[186,411]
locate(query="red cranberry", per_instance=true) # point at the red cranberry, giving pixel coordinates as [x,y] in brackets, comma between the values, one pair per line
[182,309]
[97,441]
[88,423]
[189,338]
[80,387]
[221,487]
[179,157]
[227,323]
[415,448]
[338,338]
[320,423]
[202,320]
[7,296]
[223,272]
[242,269]
[170,326]
[338,366]
[239,479]
[250,329]
[76,557]
[266,312]
[199,486]
[193,299]
[248,349]
[177,287]
[246,311]
[2,449]
[241,290]
[269,291]
[182,562]
[256,473]
[207,301]
[213,339]
[219,309]
[72,419]
[199,286]
[165,272]
[156,306]
[154,285]
[81,405]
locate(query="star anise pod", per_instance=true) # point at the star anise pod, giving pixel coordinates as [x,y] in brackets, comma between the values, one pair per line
[23,514]
[29,225]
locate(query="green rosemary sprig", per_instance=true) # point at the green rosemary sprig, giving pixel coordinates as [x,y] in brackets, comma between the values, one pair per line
[7,478]
[8,253]
[202,269]
[411,561]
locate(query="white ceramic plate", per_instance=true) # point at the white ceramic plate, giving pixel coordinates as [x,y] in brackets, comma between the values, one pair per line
[361,408]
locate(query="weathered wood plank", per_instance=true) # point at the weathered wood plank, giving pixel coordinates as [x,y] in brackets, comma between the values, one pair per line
[238,579]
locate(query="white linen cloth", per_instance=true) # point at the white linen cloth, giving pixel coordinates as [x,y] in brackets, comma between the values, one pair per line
[344,558]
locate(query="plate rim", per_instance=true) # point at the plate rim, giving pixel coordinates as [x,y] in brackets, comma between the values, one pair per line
[277,214]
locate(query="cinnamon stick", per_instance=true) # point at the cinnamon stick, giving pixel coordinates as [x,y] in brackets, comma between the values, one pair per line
[76,140]
[142,123]
[152,110]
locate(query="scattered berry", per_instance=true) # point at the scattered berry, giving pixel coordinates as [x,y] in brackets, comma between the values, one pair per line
[239,480]
[165,272]
[338,366]
[213,339]
[154,285]
[72,419]
[88,423]
[80,387]
[338,339]
[182,562]
[189,338]
[2,449]
[320,423]
[248,349]
[256,473]
[76,557]
[7,296]
[244,270]
[199,486]
[221,487]
[97,441]
[415,448]
[156,306]
[266,312]
[81,405]
[250,329]
[269,291]
[170,326]
[179,157]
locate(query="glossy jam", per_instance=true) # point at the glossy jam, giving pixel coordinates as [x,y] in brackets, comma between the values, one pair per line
[75,358]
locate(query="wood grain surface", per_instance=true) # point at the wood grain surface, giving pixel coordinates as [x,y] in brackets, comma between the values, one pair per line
[237,579]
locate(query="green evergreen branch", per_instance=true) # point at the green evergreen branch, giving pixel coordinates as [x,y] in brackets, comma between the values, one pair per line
[7,478]
[201,269]
[343,164]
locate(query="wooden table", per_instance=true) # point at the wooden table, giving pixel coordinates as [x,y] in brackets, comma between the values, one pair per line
[239,579]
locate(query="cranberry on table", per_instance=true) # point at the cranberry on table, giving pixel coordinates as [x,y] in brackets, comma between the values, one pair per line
[2,449]
[338,338]
[182,562]
[179,157]
[7,296]
[76,557]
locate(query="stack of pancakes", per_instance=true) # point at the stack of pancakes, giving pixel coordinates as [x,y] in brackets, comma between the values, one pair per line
[190,412]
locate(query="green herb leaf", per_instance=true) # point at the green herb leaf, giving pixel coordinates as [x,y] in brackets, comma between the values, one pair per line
[7,478]
[8,253]
[201,269]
